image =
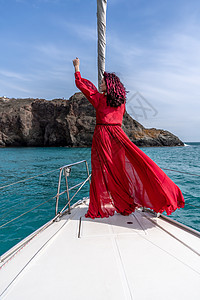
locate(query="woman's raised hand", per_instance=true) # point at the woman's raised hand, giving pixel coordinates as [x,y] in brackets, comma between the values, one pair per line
[76,62]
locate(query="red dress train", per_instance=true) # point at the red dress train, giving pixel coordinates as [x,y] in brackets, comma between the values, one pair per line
[123,176]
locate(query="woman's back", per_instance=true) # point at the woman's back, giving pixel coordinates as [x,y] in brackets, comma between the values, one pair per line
[104,113]
[107,114]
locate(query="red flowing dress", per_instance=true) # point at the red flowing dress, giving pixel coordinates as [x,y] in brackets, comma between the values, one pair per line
[123,176]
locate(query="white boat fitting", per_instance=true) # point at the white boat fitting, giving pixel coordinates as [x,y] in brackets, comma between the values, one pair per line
[140,256]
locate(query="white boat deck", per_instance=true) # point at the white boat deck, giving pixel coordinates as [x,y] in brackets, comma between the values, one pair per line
[120,257]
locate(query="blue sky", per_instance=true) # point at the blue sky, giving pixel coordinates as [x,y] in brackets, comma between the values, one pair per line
[152,45]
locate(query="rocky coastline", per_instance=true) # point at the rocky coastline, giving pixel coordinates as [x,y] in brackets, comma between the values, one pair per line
[70,123]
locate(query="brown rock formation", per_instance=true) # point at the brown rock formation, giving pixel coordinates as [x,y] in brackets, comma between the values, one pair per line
[38,122]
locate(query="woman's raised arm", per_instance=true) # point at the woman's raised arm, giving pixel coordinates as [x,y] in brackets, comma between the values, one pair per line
[86,86]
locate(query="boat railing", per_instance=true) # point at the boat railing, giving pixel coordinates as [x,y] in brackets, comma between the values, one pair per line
[65,171]
[61,207]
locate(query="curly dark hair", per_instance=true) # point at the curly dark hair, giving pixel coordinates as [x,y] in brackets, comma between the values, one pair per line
[116,92]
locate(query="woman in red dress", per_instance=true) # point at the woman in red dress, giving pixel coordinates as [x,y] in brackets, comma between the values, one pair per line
[123,176]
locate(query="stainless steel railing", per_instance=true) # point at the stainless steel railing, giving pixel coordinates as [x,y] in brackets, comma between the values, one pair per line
[65,171]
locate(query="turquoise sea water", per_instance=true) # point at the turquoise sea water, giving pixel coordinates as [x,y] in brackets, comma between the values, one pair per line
[21,163]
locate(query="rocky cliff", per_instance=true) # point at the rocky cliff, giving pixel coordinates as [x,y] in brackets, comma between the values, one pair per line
[38,122]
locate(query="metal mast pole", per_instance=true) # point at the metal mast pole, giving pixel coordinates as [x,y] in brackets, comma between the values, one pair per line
[101,27]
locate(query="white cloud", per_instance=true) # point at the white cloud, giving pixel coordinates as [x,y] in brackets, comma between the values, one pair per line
[167,75]
[10,88]
[78,29]
[13,75]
